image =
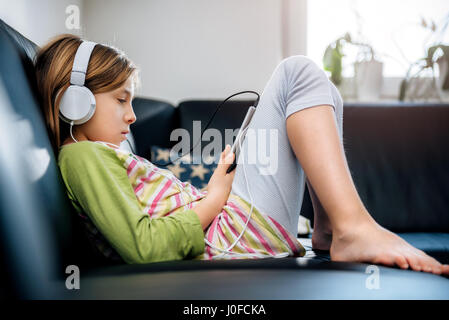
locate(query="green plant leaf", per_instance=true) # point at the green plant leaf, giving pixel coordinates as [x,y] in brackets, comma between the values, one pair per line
[327,58]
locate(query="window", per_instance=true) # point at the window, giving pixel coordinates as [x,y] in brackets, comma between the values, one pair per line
[392,27]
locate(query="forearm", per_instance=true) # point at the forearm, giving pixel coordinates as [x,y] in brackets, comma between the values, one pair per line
[207,210]
[218,190]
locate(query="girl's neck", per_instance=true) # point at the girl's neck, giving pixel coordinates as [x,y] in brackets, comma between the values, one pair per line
[69,140]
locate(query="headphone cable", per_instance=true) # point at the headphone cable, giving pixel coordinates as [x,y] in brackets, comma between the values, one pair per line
[208,124]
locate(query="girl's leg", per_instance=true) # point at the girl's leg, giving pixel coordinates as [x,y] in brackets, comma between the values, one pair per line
[316,141]
[315,136]
[295,84]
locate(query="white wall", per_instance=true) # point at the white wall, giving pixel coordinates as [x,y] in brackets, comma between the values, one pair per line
[38,20]
[199,49]
[186,49]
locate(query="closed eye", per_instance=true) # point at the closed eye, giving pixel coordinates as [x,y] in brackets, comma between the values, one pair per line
[122,100]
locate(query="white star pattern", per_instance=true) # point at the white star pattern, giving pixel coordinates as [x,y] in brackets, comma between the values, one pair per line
[199,171]
[184,169]
[176,169]
[163,154]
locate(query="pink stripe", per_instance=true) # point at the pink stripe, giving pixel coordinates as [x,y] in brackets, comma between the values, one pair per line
[285,234]
[242,239]
[251,227]
[155,201]
[142,180]
[148,177]
[211,233]
[140,186]
[131,166]
[178,200]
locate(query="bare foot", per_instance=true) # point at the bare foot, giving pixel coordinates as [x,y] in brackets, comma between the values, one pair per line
[371,243]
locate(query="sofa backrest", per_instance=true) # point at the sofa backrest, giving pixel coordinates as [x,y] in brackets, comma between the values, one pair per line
[397,154]
[155,120]
[39,232]
[194,115]
[399,158]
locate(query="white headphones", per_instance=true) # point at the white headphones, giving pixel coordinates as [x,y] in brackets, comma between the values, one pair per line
[77,104]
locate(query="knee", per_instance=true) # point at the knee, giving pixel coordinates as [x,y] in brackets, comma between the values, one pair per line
[298,63]
[301,69]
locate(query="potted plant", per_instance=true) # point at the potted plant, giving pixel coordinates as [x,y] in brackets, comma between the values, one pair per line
[333,56]
[367,70]
[436,54]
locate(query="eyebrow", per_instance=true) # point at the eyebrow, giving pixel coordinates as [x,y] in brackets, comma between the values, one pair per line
[128,92]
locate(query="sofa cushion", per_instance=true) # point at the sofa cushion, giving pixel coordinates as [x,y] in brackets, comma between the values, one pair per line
[197,173]
[260,279]
[433,243]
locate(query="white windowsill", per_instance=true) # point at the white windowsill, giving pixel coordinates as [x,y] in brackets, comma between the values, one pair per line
[389,92]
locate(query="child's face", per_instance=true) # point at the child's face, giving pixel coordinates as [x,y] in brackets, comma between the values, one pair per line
[113,116]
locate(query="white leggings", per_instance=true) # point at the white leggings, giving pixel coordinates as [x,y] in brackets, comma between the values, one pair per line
[297,83]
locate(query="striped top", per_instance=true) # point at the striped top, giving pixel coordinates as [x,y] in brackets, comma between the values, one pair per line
[160,194]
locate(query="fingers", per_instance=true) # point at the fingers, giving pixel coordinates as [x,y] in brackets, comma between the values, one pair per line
[226,159]
[228,156]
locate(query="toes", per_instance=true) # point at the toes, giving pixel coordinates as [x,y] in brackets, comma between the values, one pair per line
[401,261]
[413,261]
[429,264]
[445,269]
[436,266]
[419,263]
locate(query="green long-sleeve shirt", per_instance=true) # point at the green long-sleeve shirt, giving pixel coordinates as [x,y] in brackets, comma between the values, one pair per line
[97,185]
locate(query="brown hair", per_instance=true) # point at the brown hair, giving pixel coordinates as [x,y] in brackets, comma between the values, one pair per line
[108,69]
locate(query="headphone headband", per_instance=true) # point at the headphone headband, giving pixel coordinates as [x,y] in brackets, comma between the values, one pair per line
[82,57]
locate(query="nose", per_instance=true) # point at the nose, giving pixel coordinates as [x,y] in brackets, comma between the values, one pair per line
[130,115]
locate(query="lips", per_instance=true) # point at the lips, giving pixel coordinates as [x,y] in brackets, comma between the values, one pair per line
[125,132]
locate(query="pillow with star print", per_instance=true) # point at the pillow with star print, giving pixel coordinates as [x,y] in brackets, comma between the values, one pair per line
[197,173]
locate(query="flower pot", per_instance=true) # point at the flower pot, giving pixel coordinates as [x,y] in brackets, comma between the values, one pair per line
[368,80]
[443,79]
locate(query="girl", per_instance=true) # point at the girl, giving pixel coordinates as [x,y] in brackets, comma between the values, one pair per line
[140,213]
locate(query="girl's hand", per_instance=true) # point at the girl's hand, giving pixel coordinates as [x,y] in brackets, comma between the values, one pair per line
[220,184]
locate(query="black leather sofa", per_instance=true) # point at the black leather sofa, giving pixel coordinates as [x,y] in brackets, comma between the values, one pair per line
[398,155]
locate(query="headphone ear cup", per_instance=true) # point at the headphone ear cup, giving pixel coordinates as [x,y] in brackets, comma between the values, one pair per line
[77,105]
